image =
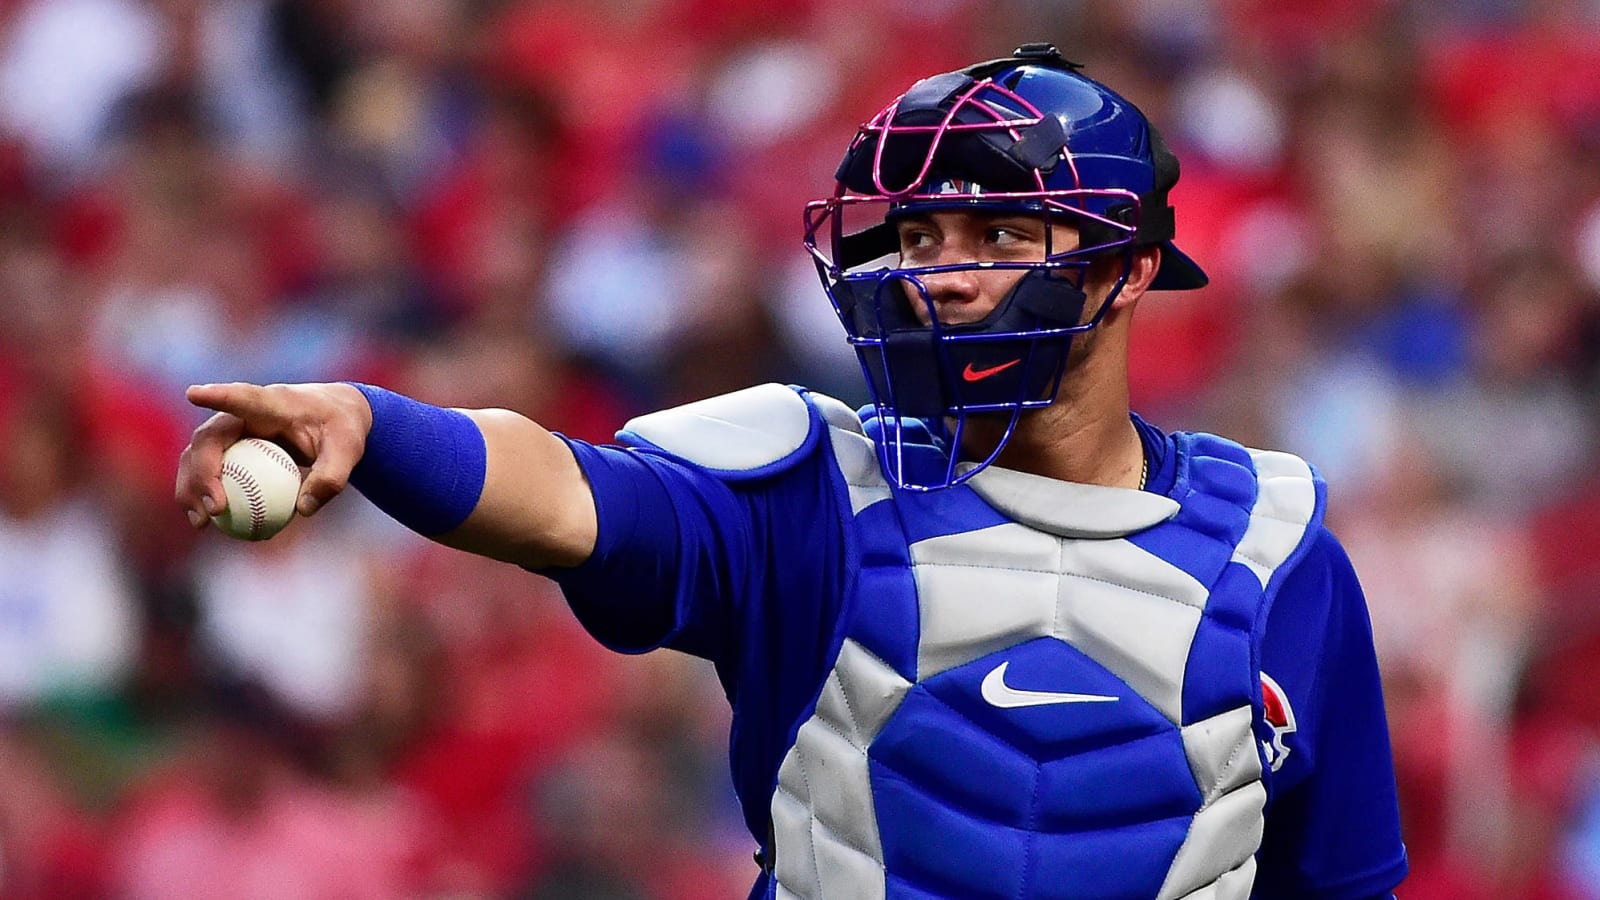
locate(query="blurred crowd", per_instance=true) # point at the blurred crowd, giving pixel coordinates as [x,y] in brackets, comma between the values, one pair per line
[585,209]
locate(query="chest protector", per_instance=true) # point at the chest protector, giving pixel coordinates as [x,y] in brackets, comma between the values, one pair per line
[1041,690]
[1029,705]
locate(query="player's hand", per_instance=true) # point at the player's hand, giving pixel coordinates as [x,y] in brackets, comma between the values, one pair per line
[325,425]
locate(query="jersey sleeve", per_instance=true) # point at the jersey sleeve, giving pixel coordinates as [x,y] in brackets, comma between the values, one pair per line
[669,545]
[686,560]
[1333,826]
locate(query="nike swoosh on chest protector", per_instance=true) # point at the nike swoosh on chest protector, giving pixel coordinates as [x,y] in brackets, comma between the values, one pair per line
[1002,695]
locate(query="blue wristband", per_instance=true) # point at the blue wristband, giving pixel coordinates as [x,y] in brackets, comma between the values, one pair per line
[423,465]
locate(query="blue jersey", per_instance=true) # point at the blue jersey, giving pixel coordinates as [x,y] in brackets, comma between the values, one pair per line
[753,575]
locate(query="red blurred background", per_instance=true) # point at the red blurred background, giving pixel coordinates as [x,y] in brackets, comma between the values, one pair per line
[585,209]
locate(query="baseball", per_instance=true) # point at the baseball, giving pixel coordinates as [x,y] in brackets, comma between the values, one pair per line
[262,483]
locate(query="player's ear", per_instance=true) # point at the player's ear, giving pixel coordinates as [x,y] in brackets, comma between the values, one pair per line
[1146,262]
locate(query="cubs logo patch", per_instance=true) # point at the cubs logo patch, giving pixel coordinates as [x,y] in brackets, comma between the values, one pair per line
[1279,716]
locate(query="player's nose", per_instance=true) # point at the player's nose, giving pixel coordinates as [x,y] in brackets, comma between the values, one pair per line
[942,295]
[957,295]
[956,286]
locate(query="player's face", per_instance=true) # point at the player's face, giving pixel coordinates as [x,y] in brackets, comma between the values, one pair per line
[952,237]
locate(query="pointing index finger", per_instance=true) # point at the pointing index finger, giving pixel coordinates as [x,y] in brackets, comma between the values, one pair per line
[247,401]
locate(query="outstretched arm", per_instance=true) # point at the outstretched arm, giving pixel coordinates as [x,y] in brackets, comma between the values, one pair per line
[527,503]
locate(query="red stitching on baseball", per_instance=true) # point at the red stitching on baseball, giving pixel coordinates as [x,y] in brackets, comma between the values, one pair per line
[280,456]
[252,496]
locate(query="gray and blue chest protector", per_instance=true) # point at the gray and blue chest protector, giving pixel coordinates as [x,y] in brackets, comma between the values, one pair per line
[1045,689]
[1041,689]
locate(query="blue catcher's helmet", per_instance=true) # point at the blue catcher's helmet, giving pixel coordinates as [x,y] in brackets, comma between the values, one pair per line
[1024,134]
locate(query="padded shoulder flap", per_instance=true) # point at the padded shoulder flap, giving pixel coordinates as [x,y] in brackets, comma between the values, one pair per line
[747,434]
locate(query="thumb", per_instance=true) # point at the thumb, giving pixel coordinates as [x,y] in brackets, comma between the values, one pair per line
[329,474]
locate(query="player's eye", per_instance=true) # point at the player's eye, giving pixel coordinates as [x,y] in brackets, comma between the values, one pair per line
[1005,235]
[1011,242]
[917,241]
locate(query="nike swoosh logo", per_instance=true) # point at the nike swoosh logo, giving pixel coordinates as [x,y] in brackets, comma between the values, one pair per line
[998,693]
[971,374]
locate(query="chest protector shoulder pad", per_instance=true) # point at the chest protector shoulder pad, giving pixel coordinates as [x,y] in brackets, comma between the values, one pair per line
[748,434]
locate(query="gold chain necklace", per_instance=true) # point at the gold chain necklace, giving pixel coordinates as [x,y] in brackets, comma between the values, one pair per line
[1144,468]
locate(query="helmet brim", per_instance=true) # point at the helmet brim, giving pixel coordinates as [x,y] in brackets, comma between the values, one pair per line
[1178,272]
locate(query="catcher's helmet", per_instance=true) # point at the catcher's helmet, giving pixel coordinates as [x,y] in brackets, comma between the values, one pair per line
[1029,134]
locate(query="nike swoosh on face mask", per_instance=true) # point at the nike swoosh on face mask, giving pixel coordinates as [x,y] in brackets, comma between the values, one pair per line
[998,693]
[971,374]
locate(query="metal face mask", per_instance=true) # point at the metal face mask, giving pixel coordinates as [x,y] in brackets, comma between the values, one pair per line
[1024,136]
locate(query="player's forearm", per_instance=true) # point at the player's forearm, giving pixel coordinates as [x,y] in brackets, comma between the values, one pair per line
[489,481]
[536,508]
